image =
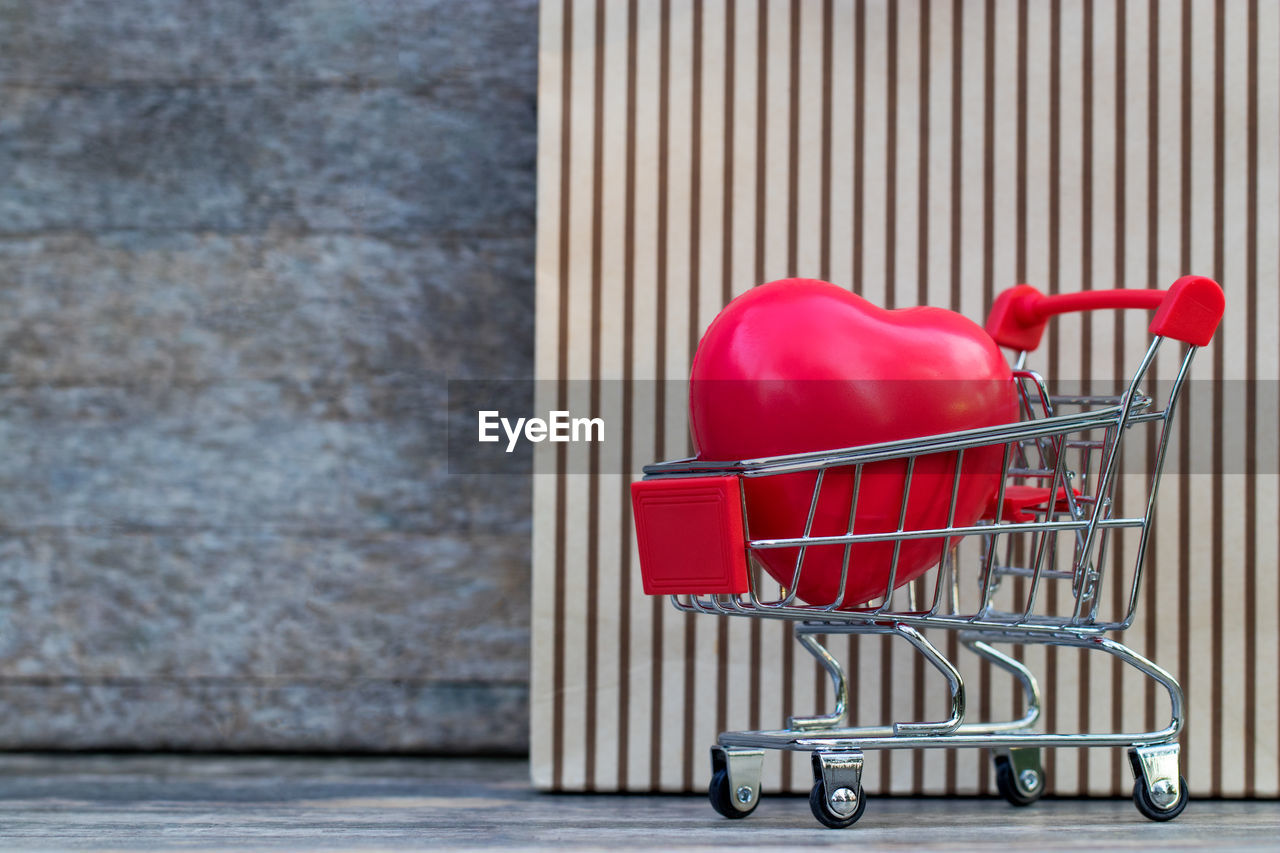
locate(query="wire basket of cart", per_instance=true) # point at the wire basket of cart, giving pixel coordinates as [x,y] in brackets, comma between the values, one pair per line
[1041,566]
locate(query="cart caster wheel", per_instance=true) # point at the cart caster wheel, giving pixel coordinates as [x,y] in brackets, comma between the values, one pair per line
[720,797]
[1022,790]
[826,814]
[1143,800]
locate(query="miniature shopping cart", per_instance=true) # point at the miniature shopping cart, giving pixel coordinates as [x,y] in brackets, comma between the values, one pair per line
[1035,569]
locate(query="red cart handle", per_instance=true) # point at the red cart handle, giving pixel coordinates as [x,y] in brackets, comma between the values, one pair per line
[1189,311]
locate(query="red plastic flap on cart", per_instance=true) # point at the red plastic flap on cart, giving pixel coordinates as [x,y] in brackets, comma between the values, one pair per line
[690,535]
[1019,499]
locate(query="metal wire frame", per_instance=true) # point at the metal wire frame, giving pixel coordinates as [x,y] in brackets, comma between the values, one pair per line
[828,733]
[1035,449]
[1045,447]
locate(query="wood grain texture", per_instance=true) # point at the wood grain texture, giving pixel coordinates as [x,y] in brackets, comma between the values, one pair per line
[243,250]
[153,803]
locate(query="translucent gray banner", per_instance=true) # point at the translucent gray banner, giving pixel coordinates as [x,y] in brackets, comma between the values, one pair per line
[615,427]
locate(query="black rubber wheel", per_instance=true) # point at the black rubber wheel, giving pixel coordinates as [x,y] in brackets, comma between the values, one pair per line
[822,810]
[1142,799]
[1007,787]
[721,797]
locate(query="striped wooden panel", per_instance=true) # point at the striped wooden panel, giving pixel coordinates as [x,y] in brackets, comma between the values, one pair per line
[917,152]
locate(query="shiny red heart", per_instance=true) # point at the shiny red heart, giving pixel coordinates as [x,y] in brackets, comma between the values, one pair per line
[801,365]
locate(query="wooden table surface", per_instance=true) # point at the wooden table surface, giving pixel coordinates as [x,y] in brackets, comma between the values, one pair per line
[147,802]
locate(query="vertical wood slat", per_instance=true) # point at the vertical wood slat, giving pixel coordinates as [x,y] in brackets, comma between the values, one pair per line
[927,150]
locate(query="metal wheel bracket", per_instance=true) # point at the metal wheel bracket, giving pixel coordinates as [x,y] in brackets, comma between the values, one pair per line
[1028,773]
[841,776]
[1156,767]
[744,768]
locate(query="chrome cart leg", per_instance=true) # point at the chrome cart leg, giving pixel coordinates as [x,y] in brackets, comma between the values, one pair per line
[1030,687]
[735,780]
[954,681]
[1019,774]
[837,799]
[805,634]
[1159,790]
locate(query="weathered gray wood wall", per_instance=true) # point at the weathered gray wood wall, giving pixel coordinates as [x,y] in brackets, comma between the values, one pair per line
[242,246]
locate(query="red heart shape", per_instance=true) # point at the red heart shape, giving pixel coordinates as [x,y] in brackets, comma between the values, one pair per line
[802,365]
